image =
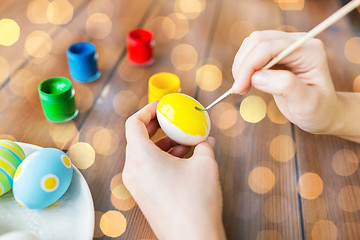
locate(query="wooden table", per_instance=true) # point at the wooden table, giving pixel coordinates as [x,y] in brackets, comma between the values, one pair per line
[278,181]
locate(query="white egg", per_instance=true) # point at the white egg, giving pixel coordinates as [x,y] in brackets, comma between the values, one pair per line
[180,120]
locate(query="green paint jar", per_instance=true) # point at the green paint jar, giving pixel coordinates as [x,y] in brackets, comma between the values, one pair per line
[57,98]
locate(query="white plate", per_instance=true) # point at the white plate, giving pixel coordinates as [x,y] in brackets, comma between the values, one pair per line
[70,218]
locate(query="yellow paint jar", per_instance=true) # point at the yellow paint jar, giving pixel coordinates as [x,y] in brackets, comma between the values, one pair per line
[161,84]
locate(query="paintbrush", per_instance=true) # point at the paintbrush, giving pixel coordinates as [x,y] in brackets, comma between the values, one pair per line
[312,33]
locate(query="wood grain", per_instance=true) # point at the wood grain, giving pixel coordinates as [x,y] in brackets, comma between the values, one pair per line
[259,172]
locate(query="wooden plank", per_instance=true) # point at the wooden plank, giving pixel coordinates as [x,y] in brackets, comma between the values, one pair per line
[17,54]
[245,157]
[126,92]
[331,214]
[21,90]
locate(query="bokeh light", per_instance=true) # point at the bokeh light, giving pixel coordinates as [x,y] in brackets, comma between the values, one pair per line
[120,198]
[143,102]
[345,162]
[352,49]
[349,198]
[318,210]
[30,89]
[17,80]
[274,113]
[4,69]
[82,155]
[118,188]
[287,28]
[261,180]
[208,77]
[105,141]
[122,205]
[128,72]
[59,12]
[125,103]
[38,44]
[64,135]
[113,223]
[84,97]
[97,231]
[224,115]
[36,11]
[356,85]
[253,109]
[98,25]
[269,235]
[236,129]
[4,96]
[310,186]
[184,57]
[181,26]
[324,230]
[282,148]
[191,9]
[9,32]
[163,28]
[277,209]
[291,5]
[100,6]
[239,30]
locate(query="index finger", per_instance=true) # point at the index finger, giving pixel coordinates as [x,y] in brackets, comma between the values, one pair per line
[136,124]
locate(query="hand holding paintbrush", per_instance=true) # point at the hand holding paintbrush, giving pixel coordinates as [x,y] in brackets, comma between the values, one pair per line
[291,48]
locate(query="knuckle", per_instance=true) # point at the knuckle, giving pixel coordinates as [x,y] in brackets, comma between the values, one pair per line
[316,43]
[256,36]
[289,84]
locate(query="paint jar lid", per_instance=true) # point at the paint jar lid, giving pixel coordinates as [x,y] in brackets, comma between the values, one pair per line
[55,89]
[161,84]
[81,50]
[140,35]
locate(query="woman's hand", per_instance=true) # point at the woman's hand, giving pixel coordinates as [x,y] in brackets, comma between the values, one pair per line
[181,198]
[302,88]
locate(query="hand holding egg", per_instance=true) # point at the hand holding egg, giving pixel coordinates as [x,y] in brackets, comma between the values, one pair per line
[180,120]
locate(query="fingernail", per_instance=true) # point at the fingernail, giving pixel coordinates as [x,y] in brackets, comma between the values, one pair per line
[211,141]
[259,78]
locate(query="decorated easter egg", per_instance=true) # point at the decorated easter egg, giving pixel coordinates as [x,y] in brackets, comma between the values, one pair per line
[42,178]
[11,155]
[180,120]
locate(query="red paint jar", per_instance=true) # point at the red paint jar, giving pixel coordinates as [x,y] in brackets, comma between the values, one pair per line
[140,46]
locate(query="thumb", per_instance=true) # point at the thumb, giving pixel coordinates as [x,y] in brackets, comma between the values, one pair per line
[205,148]
[279,82]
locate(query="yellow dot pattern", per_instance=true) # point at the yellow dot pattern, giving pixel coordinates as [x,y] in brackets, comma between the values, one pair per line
[66,161]
[50,183]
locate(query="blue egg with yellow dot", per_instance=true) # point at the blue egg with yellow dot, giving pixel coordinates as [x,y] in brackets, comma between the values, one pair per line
[11,155]
[42,178]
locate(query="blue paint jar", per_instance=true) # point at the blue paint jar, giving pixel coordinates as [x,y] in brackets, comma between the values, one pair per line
[82,62]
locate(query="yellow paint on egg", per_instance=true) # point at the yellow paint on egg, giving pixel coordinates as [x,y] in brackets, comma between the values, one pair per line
[66,161]
[180,110]
[50,183]
[17,173]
